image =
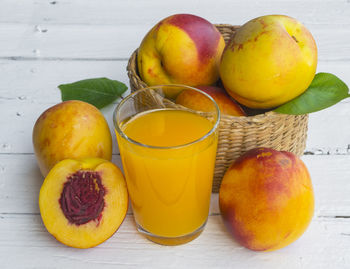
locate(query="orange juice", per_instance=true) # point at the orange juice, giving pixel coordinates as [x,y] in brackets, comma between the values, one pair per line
[170,179]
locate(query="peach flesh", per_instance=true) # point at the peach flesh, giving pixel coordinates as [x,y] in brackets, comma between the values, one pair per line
[82,198]
[102,225]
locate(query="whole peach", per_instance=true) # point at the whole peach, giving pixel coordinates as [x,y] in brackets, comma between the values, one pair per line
[197,101]
[181,49]
[266,199]
[269,61]
[70,130]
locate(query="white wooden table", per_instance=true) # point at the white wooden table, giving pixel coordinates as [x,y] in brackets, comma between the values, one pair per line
[44,43]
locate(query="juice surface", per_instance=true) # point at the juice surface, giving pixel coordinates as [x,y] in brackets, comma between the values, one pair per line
[167,127]
[169,187]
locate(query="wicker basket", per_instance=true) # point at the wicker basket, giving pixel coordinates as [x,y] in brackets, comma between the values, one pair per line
[239,134]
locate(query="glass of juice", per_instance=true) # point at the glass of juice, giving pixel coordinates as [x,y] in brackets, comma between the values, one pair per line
[168,152]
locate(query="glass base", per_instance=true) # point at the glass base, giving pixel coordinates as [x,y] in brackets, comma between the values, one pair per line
[171,241]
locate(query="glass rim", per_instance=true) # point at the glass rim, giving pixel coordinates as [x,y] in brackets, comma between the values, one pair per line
[123,135]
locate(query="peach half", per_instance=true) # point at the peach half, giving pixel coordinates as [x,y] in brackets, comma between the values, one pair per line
[197,101]
[181,49]
[83,202]
[266,199]
[70,130]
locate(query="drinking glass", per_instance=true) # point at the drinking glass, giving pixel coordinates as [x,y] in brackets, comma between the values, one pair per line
[168,152]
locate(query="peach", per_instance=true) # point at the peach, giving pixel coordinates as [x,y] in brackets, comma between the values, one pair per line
[83,202]
[266,199]
[269,61]
[181,49]
[196,101]
[71,129]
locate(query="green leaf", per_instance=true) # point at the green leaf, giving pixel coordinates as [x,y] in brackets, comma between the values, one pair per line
[324,91]
[96,91]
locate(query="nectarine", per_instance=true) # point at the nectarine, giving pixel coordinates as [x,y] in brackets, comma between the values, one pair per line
[266,199]
[269,61]
[181,49]
[71,129]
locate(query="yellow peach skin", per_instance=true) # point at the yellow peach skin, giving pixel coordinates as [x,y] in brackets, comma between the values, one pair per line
[269,61]
[266,199]
[83,202]
[71,129]
[181,49]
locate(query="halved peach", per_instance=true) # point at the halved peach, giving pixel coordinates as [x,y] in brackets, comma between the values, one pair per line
[83,202]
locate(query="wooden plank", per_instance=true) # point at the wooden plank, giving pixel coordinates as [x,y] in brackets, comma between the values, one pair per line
[70,41]
[20,182]
[17,137]
[151,11]
[329,131]
[24,241]
[49,41]
[45,76]
[22,102]
[325,136]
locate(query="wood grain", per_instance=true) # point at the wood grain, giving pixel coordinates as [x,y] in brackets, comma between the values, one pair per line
[20,182]
[23,100]
[45,75]
[140,12]
[322,137]
[98,42]
[325,244]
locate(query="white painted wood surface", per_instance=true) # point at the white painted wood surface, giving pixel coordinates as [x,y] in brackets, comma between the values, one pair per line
[44,43]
